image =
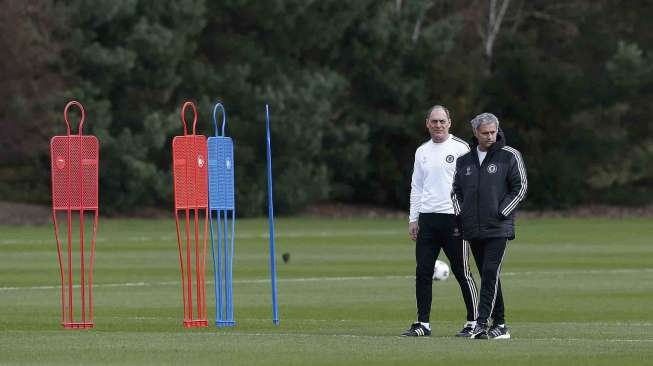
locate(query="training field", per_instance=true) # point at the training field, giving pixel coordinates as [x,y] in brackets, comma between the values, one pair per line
[577,291]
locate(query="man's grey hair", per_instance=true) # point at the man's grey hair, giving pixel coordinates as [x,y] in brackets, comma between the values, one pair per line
[438,106]
[482,119]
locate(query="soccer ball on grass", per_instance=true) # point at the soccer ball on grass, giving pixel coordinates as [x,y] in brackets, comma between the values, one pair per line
[440,271]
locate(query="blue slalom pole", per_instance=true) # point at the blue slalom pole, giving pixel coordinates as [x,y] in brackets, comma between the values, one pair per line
[273,265]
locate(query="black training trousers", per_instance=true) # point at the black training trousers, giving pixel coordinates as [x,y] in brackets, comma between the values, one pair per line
[439,231]
[488,254]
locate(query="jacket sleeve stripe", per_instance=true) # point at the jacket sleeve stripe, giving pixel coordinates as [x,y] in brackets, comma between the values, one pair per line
[454,196]
[461,141]
[456,205]
[524,182]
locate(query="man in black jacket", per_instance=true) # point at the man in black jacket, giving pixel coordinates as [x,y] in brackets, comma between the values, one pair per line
[489,184]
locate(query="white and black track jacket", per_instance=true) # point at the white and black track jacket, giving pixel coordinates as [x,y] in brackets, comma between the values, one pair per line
[487,195]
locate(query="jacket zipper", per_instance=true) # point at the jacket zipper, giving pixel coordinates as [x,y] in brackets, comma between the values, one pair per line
[478,200]
[478,192]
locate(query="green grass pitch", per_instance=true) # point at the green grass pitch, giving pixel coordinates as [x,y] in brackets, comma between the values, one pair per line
[577,291]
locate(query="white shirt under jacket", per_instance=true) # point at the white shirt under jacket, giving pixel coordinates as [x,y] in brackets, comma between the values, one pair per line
[435,165]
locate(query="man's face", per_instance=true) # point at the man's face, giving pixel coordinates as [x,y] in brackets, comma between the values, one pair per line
[438,125]
[486,134]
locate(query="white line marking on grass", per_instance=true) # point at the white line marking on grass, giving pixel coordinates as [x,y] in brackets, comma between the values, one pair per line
[306,335]
[172,238]
[315,279]
[170,283]
[126,284]
[589,339]
[581,271]
[320,279]
[223,332]
[443,323]
[298,335]
[600,324]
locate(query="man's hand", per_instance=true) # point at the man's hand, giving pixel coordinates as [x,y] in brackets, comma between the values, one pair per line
[413,228]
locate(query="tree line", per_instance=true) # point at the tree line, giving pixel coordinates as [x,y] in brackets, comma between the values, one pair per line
[348,83]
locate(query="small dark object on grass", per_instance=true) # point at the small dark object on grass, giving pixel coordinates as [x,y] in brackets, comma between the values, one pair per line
[285,257]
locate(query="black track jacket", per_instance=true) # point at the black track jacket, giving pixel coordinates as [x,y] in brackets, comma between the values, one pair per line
[486,196]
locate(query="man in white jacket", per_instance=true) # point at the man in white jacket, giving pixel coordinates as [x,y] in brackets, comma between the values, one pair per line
[432,223]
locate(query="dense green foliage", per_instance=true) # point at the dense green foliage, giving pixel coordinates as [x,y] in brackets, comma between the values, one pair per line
[578,292]
[348,83]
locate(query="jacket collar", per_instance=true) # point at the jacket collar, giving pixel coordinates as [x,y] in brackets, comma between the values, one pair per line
[500,143]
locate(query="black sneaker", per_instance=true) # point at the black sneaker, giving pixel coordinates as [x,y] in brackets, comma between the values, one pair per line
[466,331]
[416,330]
[479,332]
[497,332]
